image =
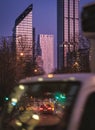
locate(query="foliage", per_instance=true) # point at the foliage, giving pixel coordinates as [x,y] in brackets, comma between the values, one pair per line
[13,67]
[7,68]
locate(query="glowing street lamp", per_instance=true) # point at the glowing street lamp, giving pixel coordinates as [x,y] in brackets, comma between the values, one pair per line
[35,70]
[21,54]
[76,66]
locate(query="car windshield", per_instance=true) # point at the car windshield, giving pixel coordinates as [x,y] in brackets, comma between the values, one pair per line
[40,104]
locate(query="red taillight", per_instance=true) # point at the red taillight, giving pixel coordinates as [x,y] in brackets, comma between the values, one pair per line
[49,108]
[41,108]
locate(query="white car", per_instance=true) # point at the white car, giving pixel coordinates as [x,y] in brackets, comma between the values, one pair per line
[83,114]
[72,97]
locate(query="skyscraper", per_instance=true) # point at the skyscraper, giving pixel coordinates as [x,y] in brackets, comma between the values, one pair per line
[47,52]
[67,29]
[23,34]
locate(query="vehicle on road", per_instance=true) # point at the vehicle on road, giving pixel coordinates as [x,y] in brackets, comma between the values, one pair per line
[46,109]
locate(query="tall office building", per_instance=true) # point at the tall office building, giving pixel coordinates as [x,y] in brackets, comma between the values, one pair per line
[67,29]
[23,34]
[47,52]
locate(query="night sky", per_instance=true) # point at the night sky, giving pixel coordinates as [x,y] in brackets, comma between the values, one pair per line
[44,15]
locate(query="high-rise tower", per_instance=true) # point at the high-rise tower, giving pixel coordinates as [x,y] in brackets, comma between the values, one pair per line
[47,52]
[67,29]
[23,34]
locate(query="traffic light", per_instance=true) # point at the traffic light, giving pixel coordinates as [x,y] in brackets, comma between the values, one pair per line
[60,97]
[6,98]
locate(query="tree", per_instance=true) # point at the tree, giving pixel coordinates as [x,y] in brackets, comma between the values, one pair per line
[80,61]
[13,67]
[7,68]
[24,57]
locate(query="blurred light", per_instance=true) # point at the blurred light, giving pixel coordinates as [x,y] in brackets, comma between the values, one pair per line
[53,108]
[18,123]
[21,54]
[60,97]
[63,106]
[72,78]
[6,98]
[35,70]
[31,97]
[13,103]
[21,87]
[65,45]
[50,76]
[35,116]
[40,79]
[76,63]
[14,100]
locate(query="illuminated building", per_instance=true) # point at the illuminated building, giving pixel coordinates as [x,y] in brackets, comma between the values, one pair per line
[47,52]
[23,34]
[67,29]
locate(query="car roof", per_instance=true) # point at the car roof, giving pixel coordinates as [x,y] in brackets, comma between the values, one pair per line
[58,77]
[89,4]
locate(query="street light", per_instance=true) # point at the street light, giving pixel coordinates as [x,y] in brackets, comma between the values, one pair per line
[21,54]
[35,70]
[76,64]
[76,67]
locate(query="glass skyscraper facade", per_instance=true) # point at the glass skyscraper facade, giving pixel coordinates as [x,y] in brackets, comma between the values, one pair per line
[23,34]
[67,29]
[47,52]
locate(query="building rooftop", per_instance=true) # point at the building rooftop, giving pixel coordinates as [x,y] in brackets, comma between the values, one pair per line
[23,14]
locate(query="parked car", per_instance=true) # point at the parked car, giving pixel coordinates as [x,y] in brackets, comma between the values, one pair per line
[71,94]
